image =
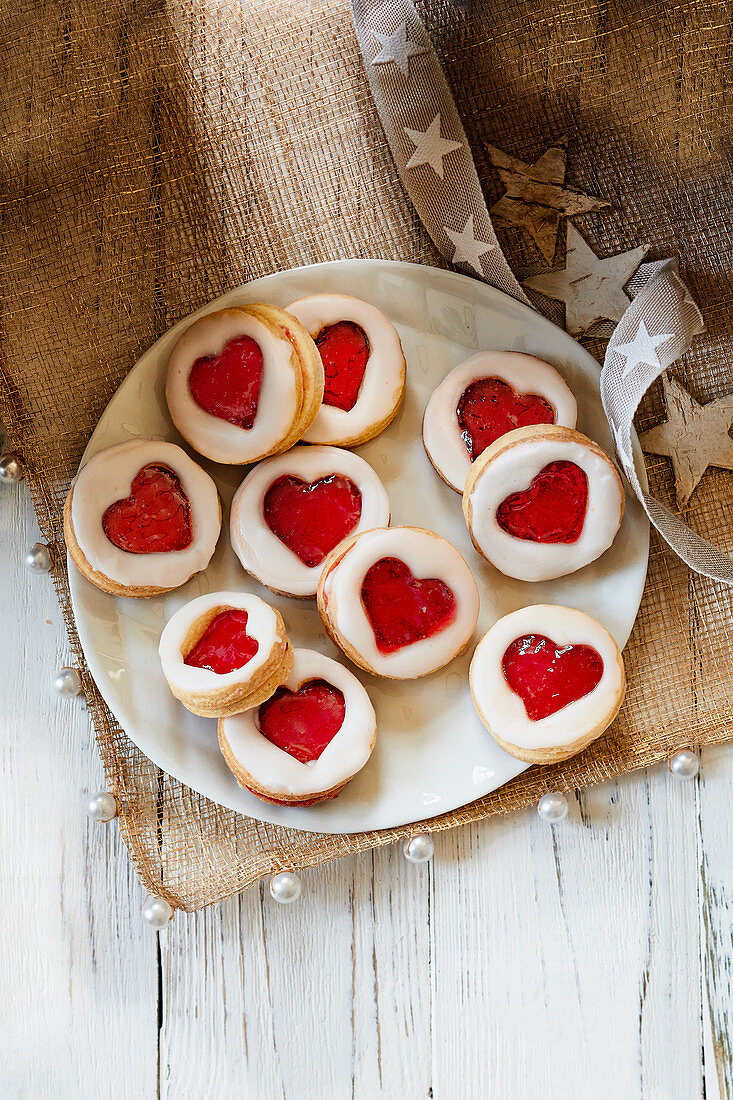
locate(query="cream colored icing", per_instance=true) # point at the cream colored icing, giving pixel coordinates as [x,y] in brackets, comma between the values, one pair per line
[426,555]
[512,471]
[504,709]
[441,431]
[261,624]
[259,550]
[381,389]
[106,478]
[279,773]
[278,402]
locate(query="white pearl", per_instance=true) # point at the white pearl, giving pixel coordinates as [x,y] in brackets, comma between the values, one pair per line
[418,849]
[67,683]
[685,764]
[102,806]
[553,807]
[11,469]
[285,887]
[157,912]
[38,559]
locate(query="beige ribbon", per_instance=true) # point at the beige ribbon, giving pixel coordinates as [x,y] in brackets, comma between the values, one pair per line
[433,157]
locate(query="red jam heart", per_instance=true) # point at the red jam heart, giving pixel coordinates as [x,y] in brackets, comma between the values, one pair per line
[225,645]
[552,509]
[303,722]
[546,676]
[403,609]
[227,385]
[345,351]
[155,518]
[312,517]
[490,408]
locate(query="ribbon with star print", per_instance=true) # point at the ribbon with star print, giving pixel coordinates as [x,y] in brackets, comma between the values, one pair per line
[432,154]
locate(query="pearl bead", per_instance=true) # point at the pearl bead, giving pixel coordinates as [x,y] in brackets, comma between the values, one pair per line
[11,469]
[285,887]
[685,764]
[418,849]
[67,683]
[102,806]
[553,807]
[38,559]
[157,912]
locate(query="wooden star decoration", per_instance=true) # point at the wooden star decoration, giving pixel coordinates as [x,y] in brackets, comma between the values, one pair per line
[694,436]
[591,288]
[536,197]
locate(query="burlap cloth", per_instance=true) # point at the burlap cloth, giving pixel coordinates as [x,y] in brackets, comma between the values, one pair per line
[157,154]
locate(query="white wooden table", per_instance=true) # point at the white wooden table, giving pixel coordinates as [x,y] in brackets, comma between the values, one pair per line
[588,959]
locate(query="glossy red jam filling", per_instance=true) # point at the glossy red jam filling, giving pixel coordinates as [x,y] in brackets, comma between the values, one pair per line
[546,676]
[227,385]
[311,517]
[552,509]
[490,407]
[403,609]
[155,518]
[303,722]
[345,351]
[225,645]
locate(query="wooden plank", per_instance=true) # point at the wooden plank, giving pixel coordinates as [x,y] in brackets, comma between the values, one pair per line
[270,985]
[715,792]
[557,945]
[79,1004]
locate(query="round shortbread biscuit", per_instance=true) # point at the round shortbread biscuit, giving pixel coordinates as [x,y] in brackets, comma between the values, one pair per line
[106,480]
[273,774]
[290,388]
[508,469]
[261,551]
[429,560]
[215,694]
[383,384]
[443,436]
[568,729]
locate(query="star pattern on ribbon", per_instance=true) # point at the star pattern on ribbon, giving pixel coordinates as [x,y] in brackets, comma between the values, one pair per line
[536,196]
[468,250]
[397,49]
[590,287]
[642,349]
[693,436]
[430,146]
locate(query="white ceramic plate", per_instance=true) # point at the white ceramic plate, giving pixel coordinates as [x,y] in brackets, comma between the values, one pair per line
[432,753]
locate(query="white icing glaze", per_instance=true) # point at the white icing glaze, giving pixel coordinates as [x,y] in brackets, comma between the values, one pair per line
[279,773]
[512,471]
[106,478]
[277,407]
[261,624]
[426,555]
[505,710]
[381,388]
[260,551]
[441,431]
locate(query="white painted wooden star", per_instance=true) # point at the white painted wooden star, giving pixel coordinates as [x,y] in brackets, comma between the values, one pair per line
[397,49]
[591,288]
[468,249]
[694,436]
[642,349]
[536,196]
[431,146]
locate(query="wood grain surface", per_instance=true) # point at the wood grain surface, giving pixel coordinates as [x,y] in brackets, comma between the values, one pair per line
[592,958]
